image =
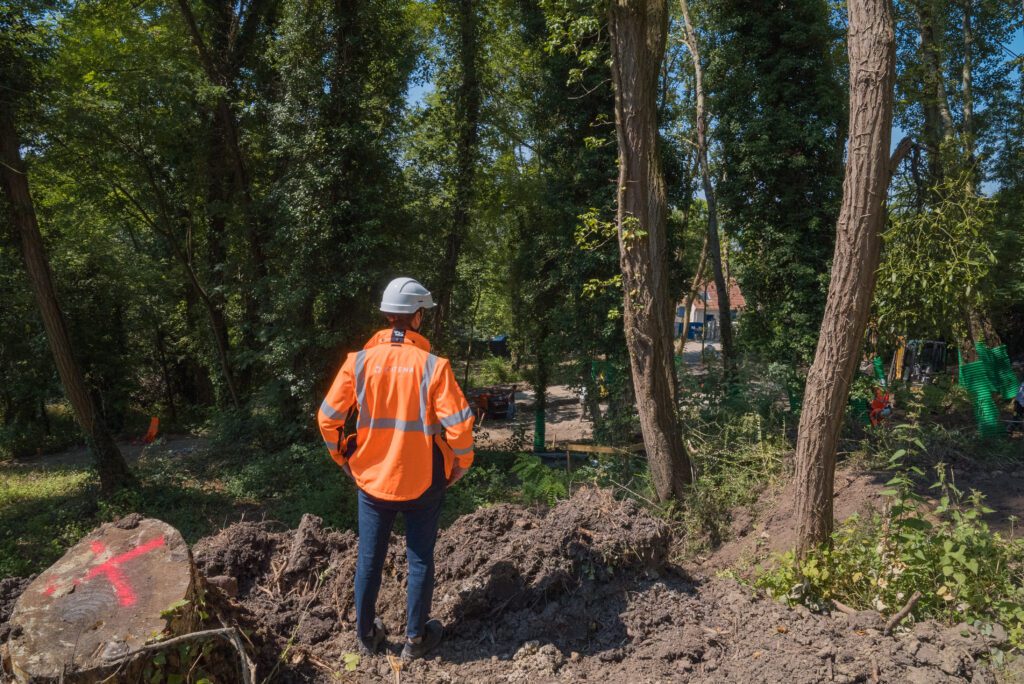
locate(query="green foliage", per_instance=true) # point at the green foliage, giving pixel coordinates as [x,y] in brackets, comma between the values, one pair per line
[936,263]
[45,509]
[42,513]
[494,370]
[539,483]
[488,482]
[33,433]
[777,97]
[737,437]
[945,550]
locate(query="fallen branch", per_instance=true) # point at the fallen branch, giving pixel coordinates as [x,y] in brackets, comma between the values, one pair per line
[843,608]
[322,665]
[903,612]
[230,634]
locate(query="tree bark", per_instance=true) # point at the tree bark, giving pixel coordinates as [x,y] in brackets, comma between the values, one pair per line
[713,244]
[468,120]
[967,84]
[638,33]
[113,471]
[872,75]
[939,118]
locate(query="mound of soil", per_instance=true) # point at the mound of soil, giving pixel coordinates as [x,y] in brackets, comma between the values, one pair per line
[579,592]
[10,590]
[766,528]
[297,587]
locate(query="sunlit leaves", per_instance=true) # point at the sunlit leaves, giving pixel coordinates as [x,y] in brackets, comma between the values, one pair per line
[935,263]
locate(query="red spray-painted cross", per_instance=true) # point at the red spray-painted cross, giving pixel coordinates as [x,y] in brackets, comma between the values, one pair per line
[111,568]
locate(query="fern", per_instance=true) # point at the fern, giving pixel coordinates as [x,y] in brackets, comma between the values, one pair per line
[539,483]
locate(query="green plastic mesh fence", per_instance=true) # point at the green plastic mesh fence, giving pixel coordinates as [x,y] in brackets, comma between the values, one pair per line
[1006,379]
[978,378]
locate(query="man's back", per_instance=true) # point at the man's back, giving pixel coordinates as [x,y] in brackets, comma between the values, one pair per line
[408,403]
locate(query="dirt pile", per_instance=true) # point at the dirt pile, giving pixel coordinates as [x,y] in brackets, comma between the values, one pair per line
[10,590]
[296,586]
[581,592]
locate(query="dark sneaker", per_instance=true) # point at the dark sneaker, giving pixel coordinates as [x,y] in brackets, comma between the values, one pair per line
[375,642]
[434,632]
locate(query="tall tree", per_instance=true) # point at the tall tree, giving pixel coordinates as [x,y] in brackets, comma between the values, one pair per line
[110,464]
[341,71]
[467,99]
[954,79]
[712,244]
[776,98]
[872,54]
[225,51]
[638,30]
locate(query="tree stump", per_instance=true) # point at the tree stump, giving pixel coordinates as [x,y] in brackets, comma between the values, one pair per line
[123,585]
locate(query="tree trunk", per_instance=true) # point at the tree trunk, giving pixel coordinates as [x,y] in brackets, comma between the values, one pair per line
[638,33]
[165,373]
[110,464]
[872,75]
[218,197]
[222,61]
[691,294]
[967,83]
[164,225]
[105,598]
[540,396]
[713,244]
[468,121]
[936,104]
[472,332]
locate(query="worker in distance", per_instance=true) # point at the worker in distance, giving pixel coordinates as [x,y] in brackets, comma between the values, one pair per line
[413,439]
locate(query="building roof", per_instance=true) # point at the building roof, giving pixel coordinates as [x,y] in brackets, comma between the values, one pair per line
[736,300]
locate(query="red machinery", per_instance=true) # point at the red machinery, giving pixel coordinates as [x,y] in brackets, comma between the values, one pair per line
[493,402]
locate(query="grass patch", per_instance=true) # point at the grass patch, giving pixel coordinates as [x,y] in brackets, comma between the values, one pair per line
[42,512]
[45,509]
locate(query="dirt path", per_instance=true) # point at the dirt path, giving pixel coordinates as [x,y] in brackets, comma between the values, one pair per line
[693,350]
[166,445]
[564,422]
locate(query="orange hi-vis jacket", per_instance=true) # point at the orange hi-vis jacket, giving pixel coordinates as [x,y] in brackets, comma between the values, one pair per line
[407,401]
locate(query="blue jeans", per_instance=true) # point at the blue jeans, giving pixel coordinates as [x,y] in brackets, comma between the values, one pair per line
[376,518]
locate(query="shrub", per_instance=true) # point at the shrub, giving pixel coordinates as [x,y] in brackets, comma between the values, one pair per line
[945,550]
[494,370]
[539,483]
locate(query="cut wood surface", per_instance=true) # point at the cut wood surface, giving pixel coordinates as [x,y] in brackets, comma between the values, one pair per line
[123,585]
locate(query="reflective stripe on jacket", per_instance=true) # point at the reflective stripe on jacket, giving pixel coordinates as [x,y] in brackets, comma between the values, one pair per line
[408,400]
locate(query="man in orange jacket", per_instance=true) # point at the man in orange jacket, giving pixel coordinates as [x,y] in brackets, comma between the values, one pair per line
[413,439]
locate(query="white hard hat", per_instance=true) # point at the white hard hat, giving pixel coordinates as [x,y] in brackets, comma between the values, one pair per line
[405,296]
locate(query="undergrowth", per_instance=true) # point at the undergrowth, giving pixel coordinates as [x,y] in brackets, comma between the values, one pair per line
[737,438]
[940,546]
